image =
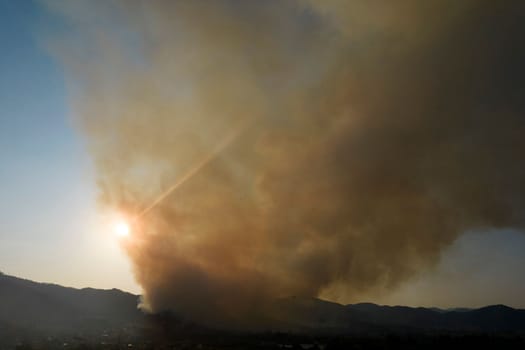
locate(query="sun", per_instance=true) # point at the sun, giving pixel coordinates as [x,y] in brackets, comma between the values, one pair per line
[121,228]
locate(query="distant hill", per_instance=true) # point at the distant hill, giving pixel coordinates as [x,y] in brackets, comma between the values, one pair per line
[311,314]
[27,306]
[45,307]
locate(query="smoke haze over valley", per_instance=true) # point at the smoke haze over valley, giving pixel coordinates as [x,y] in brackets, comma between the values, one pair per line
[335,148]
[261,173]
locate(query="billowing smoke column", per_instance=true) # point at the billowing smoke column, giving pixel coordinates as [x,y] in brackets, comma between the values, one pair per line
[371,134]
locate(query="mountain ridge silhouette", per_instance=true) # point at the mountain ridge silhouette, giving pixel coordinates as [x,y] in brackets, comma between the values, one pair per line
[48,308]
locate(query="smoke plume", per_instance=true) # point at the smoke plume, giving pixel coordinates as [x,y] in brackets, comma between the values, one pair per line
[367,136]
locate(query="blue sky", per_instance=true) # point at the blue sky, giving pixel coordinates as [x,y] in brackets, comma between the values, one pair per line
[48,211]
[51,229]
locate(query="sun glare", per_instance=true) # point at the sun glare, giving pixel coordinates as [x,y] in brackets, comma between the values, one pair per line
[121,228]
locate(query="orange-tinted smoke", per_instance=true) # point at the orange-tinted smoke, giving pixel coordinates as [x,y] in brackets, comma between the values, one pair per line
[380,134]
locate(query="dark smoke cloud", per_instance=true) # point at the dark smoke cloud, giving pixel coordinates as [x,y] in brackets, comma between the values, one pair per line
[372,135]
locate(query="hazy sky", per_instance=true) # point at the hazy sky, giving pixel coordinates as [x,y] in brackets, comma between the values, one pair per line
[51,229]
